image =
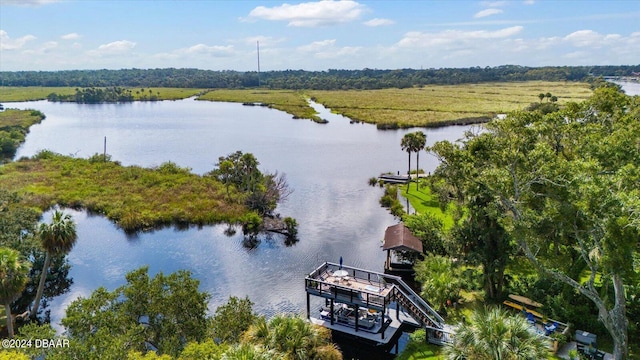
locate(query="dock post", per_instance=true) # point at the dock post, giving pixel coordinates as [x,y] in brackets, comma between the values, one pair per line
[357,315]
[331,308]
[308,307]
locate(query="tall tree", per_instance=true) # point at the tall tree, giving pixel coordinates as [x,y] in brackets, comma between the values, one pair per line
[419,143]
[231,320]
[57,238]
[13,278]
[481,240]
[492,334]
[566,192]
[407,144]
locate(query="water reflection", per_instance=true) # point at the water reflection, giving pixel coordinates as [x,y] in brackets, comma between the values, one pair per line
[327,165]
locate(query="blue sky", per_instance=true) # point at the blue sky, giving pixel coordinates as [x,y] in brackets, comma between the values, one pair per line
[315,35]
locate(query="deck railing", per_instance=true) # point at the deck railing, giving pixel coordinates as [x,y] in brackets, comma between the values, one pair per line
[393,288]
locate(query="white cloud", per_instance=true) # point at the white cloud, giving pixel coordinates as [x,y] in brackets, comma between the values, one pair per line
[28,2]
[264,40]
[487,12]
[494,3]
[529,2]
[70,36]
[312,14]
[50,45]
[208,50]
[6,43]
[338,53]
[379,22]
[326,49]
[113,48]
[317,45]
[420,39]
[584,38]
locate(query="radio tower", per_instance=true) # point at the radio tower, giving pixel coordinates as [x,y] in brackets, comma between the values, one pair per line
[258,46]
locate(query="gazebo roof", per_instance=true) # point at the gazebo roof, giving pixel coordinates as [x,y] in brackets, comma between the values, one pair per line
[398,237]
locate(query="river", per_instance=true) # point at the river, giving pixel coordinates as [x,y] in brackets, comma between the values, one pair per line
[327,166]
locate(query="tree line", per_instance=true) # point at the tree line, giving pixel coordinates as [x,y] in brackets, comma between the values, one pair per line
[555,189]
[94,95]
[332,79]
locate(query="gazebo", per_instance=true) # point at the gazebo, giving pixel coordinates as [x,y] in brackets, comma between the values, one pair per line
[399,238]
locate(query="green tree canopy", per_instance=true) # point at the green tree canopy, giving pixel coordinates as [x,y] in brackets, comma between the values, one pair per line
[563,186]
[164,312]
[14,273]
[294,338]
[232,319]
[440,279]
[493,334]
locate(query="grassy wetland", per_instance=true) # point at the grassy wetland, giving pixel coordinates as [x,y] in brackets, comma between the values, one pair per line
[133,197]
[428,106]
[438,105]
[33,93]
[289,101]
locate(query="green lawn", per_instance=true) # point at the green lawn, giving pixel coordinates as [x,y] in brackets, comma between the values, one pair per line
[421,351]
[424,202]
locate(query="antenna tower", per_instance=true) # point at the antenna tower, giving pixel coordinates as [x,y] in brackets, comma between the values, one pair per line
[258,46]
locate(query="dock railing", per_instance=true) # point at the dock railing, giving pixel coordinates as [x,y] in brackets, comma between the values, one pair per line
[404,291]
[390,288]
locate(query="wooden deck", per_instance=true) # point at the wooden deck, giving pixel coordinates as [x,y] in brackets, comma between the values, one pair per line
[381,338]
[358,284]
[375,291]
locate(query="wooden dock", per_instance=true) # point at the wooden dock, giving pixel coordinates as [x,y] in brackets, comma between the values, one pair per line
[393,179]
[378,292]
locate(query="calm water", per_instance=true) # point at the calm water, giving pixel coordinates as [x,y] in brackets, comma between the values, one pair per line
[327,165]
[630,88]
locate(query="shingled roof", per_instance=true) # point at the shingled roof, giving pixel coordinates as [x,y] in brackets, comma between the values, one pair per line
[398,237]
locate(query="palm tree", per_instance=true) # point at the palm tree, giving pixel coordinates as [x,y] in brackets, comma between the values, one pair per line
[406,145]
[14,275]
[419,142]
[57,238]
[410,144]
[293,337]
[439,278]
[248,351]
[493,334]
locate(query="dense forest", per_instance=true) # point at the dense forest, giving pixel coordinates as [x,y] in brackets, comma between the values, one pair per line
[300,79]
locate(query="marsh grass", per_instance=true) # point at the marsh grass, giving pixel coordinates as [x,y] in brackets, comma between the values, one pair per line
[133,197]
[436,104]
[164,93]
[292,102]
[23,119]
[31,93]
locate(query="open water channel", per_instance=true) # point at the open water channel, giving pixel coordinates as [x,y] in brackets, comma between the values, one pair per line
[327,165]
